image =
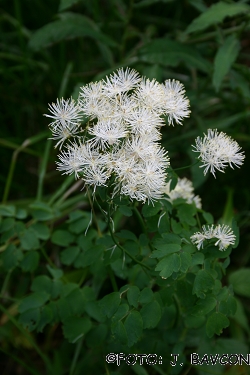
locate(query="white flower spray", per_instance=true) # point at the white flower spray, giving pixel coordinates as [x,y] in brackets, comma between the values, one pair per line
[124,113]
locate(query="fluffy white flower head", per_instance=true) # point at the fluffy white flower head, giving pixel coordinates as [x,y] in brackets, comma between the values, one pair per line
[223,233]
[65,113]
[183,189]
[124,114]
[217,150]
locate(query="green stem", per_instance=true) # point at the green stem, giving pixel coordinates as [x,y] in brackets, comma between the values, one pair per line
[43,170]
[112,279]
[188,166]
[5,283]
[65,79]
[76,355]
[15,154]
[14,146]
[143,226]
[126,26]
[121,247]
[94,214]
[67,182]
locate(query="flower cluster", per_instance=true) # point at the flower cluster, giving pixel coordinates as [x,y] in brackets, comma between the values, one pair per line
[223,234]
[183,189]
[124,114]
[217,150]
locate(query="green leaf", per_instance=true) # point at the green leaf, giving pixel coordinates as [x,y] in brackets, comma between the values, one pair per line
[29,319]
[151,209]
[97,336]
[93,310]
[62,238]
[165,249]
[215,324]
[33,301]
[57,286]
[202,283]
[197,258]
[185,212]
[133,295]
[80,225]
[29,240]
[146,295]
[11,257]
[75,327]
[204,306]
[68,255]
[7,210]
[41,230]
[89,256]
[225,57]
[208,217]
[41,211]
[216,14]
[30,261]
[186,261]
[121,312]
[119,332]
[127,234]
[46,317]
[168,52]
[192,321]
[67,289]
[151,314]
[7,224]
[70,26]
[133,326]
[229,306]
[76,301]
[240,316]
[55,272]
[168,265]
[125,210]
[21,213]
[176,226]
[42,283]
[110,303]
[65,4]
[239,280]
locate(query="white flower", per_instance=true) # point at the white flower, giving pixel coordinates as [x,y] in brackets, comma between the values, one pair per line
[183,189]
[65,113]
[70,162]
[197,239]
[95,176]
[223,233]
[124,116]
[121,81]
[63,133]
[150,94]
[217,150]
[176,105]
[107,133]
[122,106]
[225,236]
[142,120]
